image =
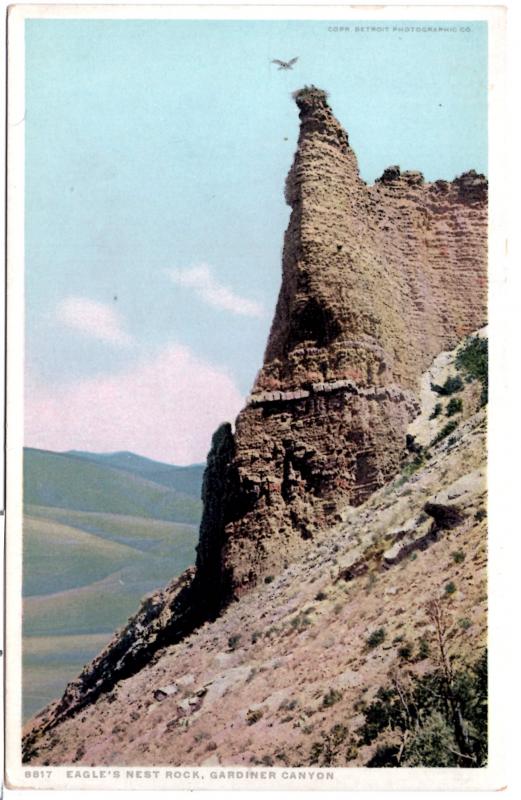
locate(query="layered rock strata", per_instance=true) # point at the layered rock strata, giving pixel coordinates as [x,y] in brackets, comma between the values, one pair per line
[376,281]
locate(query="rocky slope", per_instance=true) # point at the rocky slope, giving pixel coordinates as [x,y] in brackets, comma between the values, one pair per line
[377,280]
[283,676]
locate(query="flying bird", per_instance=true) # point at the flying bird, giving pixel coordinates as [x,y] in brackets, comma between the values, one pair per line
[285,64]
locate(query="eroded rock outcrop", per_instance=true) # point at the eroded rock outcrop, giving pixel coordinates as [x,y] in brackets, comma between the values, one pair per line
[376,281]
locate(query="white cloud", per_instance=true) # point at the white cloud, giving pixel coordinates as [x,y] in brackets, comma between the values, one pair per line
[166,408]
[98,320]
[207,287]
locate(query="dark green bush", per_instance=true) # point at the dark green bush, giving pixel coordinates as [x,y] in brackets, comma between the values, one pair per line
[445,431]
[452,384]
[423,649]
[425,711]
[331,697]
[333,749]
[454,406]
[436,411]
[405,651]
[376,638]
[472,360]
[300,620]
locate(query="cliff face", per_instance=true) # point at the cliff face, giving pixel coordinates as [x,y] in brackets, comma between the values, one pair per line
[376,281]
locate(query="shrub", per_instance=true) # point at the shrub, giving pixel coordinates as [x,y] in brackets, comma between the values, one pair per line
[436,411]
[331,697]
[325,752]
[351,749]
[269,579]
[423,649]
[338,733]
[465,623]
[458,556]
[360,705]
[452,385]
[412,445]
[454,406]
[280,755]
[472,359]
[405,651]
[480,515]
[433,744]
[254,715]
[412,467]
[300,620]
[445,431]
[450,588]
[420,712]
[316,751]
[385,756]
[233,641]
[288,705]
[376,638]
[251,675]
[321,596]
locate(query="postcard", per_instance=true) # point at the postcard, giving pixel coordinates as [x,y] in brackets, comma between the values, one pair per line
[254,256]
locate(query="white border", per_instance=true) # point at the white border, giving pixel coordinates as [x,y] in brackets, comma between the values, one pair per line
[493,777]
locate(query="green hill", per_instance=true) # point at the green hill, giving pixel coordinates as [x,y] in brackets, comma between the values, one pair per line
[78,582]
[69,481]
[85,573]
[100,533]
[187,480]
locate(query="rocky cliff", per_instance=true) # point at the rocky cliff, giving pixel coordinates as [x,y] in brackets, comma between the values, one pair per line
[376,281]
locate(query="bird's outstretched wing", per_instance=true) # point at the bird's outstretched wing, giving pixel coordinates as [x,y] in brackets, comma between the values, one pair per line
[278,61]
[293,61]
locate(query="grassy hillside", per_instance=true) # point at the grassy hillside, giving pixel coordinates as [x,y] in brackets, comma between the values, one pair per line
[79,581]
[49,663]
[59,557]
[186,480]
[72,482]
[99,534]
[85,573]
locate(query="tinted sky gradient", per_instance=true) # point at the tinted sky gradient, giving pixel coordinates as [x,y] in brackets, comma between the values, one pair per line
[156,153]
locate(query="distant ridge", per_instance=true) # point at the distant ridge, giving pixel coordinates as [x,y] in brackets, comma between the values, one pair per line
[186,479]
[116,483]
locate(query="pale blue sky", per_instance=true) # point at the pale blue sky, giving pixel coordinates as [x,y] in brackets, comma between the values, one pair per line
[160,146]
